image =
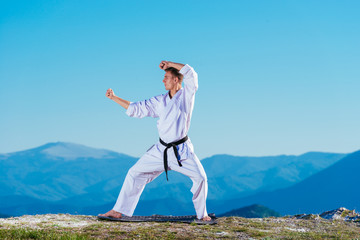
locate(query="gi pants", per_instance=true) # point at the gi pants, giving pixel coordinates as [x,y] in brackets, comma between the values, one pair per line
[151,165]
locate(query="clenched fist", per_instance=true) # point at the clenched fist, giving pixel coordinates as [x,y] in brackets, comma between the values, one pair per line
[164,65]
[110,93]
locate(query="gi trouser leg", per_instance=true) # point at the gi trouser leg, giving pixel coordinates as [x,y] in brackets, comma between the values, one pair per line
[145,170]
[193,168]
[148,167]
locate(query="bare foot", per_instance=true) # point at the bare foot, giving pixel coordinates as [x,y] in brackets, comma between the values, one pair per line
[111,213]
[206,218]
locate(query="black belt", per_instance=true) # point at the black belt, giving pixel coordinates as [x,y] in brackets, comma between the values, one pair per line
[173,145]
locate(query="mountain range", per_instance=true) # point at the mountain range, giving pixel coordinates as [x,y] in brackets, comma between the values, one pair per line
[253,211]
[72,178]
[331,188]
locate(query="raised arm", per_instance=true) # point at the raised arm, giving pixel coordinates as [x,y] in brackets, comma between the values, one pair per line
[190,80]
[190,76]
[111,95]
[166,64]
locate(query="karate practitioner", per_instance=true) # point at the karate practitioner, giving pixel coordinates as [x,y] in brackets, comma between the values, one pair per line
[174,151]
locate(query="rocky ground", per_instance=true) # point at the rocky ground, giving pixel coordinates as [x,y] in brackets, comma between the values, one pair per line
[337,224]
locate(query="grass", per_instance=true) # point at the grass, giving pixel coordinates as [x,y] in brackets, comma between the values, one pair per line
[39,234]
[227,228]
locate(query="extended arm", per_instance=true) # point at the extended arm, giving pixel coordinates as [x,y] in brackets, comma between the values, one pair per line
[111,95]
[146,108]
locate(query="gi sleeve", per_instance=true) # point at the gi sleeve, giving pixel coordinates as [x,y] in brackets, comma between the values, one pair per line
[146,108]
[190,86]
[190,78]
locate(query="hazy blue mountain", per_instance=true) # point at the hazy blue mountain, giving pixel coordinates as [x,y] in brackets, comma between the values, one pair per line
[232,176]
[21,205]
[253,211]
[57,171]
[331,188]
[70,176]
[4,216]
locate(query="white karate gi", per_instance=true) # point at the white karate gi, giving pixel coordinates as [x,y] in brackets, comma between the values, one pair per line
[174,121]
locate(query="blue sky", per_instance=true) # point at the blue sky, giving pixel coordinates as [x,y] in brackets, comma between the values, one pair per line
[275,77]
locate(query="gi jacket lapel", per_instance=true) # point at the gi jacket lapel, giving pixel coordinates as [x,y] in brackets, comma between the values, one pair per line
[171,101]
[168,111]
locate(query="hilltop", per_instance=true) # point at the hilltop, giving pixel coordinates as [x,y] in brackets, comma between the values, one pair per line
[56,226]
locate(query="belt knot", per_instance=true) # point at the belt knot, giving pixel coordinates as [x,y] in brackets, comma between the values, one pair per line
[174,146]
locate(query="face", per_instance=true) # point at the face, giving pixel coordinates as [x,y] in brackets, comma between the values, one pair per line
[169,81]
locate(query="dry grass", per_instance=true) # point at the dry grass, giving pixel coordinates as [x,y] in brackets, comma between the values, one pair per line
[63,226]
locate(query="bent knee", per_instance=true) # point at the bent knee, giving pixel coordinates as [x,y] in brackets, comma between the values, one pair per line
[201,177]
[134,172]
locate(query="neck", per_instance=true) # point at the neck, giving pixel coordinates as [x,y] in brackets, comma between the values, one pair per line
[174,91]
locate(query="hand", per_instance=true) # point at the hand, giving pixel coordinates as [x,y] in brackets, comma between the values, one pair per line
[110,93]
[164,65]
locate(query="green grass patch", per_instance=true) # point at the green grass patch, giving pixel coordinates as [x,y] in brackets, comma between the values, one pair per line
[21,233]
[227,228]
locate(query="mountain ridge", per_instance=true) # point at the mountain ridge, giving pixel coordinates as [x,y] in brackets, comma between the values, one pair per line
[252,211]
[309,195]
[74,147]
[58,180]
